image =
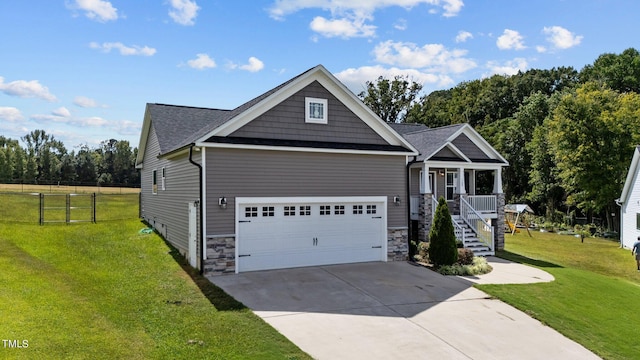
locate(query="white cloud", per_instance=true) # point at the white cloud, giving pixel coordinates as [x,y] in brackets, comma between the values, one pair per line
[510,39]
[434,57]
[90,121]
[254,65]
[201,62]
[401,25]
[541,49]
[510,67]
[126,127]
[26,89]
[344,28]
[356,78]
[61,111]
[123,49]
[463,36]
[282,8]
[10,114]
[561,38]
[184,12]
[99,10]
[85,102]
[348,18]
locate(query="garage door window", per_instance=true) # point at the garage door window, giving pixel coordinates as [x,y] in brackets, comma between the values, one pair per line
[289,211]
[251,211]
[338,210]
[325,209]
[268,211]
[357,209]
[371,209]
[305,210]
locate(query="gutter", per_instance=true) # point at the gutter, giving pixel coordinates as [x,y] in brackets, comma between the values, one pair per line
[200,204]
[619,202]
[408,182]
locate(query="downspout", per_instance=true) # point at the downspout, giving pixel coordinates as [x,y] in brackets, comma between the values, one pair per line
[408,201]
[200,203]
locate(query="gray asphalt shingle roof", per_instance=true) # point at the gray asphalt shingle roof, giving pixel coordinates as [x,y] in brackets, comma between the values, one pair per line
[430,140]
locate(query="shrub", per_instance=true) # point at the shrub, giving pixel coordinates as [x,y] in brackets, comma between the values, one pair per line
[465,257]
[442,239]
[478,267]
[423,249]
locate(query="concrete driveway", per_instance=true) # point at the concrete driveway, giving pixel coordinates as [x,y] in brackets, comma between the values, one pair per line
[395,310]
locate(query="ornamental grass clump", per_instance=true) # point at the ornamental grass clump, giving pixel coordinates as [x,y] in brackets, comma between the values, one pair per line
[442,239]
[478,266]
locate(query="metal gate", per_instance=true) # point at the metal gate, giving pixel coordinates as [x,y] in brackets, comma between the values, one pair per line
[67,208]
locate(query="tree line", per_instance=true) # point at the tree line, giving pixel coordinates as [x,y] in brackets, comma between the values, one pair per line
[568,135]
[45,160]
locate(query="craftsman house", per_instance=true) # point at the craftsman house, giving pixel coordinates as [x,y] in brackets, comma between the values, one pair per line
[305,174]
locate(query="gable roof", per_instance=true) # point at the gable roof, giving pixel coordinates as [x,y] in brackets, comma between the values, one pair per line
[406,128]
[631,175]
[178,127]
[431,142]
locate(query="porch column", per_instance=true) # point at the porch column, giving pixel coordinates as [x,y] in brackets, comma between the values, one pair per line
[426,185]
[461,186]
[497,181]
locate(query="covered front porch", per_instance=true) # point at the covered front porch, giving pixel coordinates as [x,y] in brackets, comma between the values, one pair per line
[474,195]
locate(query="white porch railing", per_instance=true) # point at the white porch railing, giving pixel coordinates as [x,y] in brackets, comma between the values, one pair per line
[458,230]
[483,230]
[484,203]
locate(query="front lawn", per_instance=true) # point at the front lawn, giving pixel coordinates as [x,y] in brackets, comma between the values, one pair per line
[105,291]
[595,299]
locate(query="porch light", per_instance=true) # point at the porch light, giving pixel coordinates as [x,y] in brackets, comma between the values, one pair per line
[222,202]
[396,200]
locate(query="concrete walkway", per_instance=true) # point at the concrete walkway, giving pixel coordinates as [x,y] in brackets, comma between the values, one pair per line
[399,310]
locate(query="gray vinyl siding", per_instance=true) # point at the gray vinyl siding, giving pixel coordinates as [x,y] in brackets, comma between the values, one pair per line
[251,173]
[287,121]
[415,181]
[470,149]
[167,210]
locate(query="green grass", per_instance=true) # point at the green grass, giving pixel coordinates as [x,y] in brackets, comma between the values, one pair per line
[104,291]
[25,207]
[595,299]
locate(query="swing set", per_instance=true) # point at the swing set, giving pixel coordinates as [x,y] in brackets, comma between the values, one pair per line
[516,217]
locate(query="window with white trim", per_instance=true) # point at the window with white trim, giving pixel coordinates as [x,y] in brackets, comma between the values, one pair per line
[154,182]
[452,184]
[163,179]
[315,110]
[371,209]
[305,210]
[338,209]
[289,211]
[357,209]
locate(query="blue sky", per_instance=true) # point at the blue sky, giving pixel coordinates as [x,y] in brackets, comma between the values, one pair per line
[83,70]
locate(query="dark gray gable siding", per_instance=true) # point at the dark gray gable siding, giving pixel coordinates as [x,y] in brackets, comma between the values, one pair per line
[468,148]
[286,121]
[166,211]
[252,173]
[446,153]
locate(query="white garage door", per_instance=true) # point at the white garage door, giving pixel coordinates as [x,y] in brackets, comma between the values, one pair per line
[274,233]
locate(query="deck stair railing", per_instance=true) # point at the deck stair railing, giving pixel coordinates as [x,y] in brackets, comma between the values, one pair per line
[476,222]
